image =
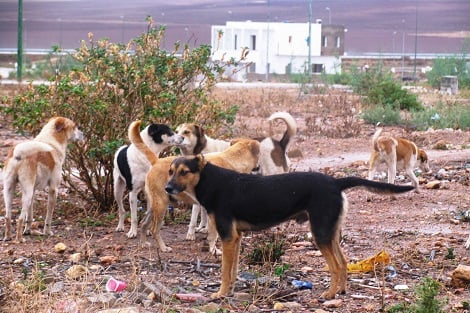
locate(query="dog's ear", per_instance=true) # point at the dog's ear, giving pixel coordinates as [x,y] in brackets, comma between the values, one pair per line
[423,157]
[201,139]
[201,161]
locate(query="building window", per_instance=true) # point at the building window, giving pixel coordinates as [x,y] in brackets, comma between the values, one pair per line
[235,43]
[324,41]
[338,42]
[253,42]
[317,68]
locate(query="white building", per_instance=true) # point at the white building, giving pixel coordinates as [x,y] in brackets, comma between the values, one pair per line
[280,48]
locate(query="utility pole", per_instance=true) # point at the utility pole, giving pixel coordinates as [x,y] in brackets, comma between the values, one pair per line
[267,42]
[416,44]
[19,53]
[309,65]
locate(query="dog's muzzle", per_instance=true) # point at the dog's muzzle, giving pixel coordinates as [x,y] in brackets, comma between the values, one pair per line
[171,189]
[178,139]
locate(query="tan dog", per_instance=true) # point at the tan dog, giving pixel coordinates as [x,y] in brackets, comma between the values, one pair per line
[242,156]
[396,152]
[37,164]
[273,156]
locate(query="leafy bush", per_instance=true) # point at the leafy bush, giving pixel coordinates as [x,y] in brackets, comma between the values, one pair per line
[390,93]
[386,115]
[110,86]
[441,116]
[455,66]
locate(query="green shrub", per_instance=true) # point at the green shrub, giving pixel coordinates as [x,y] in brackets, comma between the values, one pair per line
[426,302]
[386,115]
[112,85]
[454,65]
[442,116]
[390,93]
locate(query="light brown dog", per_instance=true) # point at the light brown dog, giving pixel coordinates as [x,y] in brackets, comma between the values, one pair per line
[241,156]
[396,152]
[37,164]
[273,156]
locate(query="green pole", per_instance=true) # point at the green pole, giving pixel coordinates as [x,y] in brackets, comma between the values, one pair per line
[19,69]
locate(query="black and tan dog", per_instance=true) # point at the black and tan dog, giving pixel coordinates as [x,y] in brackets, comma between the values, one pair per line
[239,202]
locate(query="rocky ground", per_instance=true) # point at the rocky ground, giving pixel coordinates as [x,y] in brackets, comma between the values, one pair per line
[423,233]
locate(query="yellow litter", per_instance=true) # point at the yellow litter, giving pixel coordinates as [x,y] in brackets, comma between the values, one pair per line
[369,264]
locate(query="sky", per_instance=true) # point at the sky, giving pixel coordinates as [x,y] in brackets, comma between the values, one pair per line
[443,26]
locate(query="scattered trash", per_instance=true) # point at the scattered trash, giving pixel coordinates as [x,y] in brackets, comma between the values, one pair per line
[401,287]
[301,284]
[393,272]
[369,264]
[115,285]
[432,255]
[190,297]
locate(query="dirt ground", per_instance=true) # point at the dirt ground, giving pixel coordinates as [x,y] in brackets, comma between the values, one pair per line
[423,233]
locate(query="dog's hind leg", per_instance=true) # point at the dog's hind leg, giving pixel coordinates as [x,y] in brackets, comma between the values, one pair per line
[119,189]
[26,211]
[8,193]
[343,265]
[329,253]
[132,233]
[51,203]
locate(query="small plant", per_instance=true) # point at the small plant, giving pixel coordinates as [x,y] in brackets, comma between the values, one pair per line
[426,302]
[450,254]
[267,251]
[281,269]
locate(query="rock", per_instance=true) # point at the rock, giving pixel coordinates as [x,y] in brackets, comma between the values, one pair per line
[121,310]
[460,276]
[335,303]
[161,292]
[440,145]
[320,311]
[60,247]
[108,259]
[106,299]
[286,306]
[76,271]
[435,184]
[211,307]
[75,258]
[57,287]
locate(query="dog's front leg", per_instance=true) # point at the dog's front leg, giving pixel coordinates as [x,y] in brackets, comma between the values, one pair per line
[51,202]
[229,250]
[212,237]
[191,235]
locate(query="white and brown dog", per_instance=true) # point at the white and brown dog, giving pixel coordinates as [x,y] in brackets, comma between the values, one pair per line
[131,167]
[37,164]
[397,152]
[273,157]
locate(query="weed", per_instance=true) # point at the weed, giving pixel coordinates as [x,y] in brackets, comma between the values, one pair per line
[426,302]
[269,250]
[386,115]
[450,254]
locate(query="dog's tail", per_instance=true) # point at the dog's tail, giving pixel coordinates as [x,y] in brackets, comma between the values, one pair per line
[136,139]
[372,186]
[291,130]
[375,137]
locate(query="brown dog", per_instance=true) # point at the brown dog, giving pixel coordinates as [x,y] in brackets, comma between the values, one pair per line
[396,152]
[238,202]
[241,156]
[37,164]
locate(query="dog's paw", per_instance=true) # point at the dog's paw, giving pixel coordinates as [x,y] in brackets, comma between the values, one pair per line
[202,230]
[215,251]
[191,236]
[217,295]
[328,295]
[119,229]
[166,249]
[131,234]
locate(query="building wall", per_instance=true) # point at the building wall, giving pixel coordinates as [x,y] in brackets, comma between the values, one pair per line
[279,48]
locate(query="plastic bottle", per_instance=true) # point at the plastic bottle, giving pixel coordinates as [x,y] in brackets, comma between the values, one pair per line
[301,284]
